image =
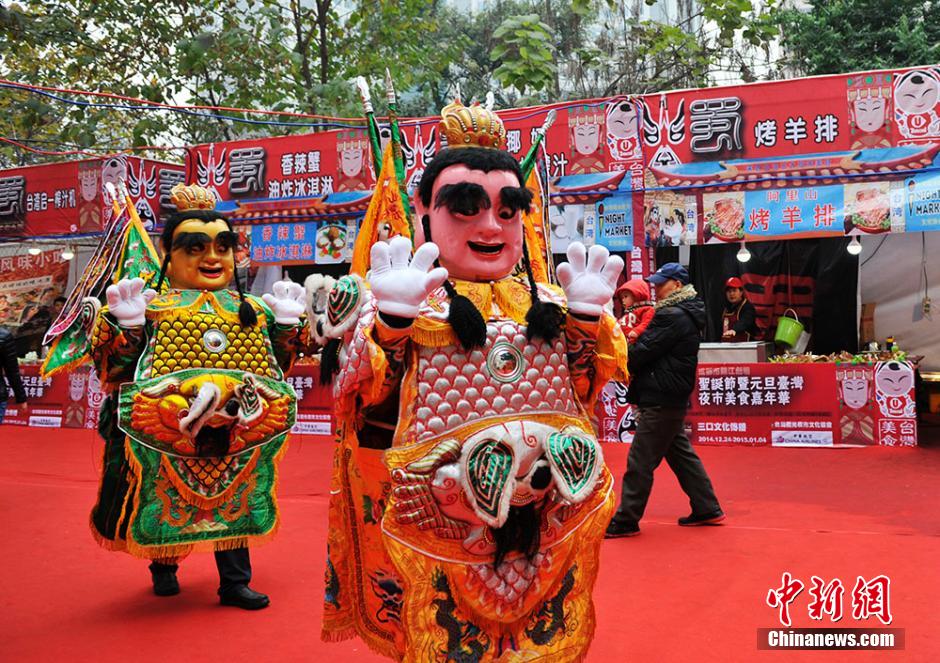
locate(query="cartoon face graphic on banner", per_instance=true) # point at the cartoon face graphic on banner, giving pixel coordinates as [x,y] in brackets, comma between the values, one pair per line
[210,171]
[586,124]
[352,149]
[89,208]
[894,386]
[856,422]
[623,131]
[916,97]
[870,110]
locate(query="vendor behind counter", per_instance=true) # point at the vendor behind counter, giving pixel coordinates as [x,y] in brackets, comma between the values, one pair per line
[739,319]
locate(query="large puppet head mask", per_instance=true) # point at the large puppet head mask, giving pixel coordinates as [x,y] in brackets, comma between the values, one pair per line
[199,246]
[471,200]
[472,196]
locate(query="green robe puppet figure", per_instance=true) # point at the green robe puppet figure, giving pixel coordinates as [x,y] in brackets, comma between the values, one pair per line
[198,412]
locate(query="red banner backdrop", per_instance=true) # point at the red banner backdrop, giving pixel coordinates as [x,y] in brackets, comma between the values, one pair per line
[66,198]
[811,405]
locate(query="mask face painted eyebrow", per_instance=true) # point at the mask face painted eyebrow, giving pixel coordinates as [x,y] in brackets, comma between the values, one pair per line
[227,239]
[518,199]
[463,198]
[191,241]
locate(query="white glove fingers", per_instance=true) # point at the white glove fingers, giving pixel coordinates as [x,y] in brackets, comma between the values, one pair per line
[612,270]
[296,292]
[149,294]
[269,299]
[381,262]
[136,286]
[577,256]
[425,256]
[400,251]
[597,258]
[565,273]
[279,289]
[113,294]
[124,289]
[435,279]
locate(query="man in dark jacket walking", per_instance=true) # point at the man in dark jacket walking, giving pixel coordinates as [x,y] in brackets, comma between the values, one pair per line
[11,369]
[662,368]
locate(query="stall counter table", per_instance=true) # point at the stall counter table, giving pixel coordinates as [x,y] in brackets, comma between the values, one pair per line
[787,405]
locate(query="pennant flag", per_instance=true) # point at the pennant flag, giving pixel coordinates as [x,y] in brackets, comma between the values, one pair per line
[534,229]
[386,206]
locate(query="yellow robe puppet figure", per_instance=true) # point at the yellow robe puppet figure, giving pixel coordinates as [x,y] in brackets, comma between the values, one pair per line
[470,496]
[198,412]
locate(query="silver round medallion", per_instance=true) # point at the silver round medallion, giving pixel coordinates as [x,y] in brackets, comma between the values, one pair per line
[504,362]
[214,340]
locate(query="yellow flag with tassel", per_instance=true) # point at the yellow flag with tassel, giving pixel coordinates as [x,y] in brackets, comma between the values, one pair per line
[386,207]
[532,225]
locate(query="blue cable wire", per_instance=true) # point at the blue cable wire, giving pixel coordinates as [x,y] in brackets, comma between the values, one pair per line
[185,111]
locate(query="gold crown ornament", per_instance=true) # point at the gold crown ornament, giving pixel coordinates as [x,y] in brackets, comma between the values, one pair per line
[472,126]
[189,197]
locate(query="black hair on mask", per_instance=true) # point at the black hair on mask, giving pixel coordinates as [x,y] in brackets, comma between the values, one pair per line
[246,312]
[474,158]
[544,319]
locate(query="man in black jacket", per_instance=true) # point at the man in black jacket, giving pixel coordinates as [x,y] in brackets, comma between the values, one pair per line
[662,375]
[11,369]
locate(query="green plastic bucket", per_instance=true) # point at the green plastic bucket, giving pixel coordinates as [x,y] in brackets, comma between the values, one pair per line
[788,329]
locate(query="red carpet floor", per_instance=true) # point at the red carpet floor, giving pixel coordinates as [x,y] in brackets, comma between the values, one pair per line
[671,594]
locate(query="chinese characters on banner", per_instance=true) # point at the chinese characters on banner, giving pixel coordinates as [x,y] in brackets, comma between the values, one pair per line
[303,243]
[832,155]
[787,405]
[66,198]
[70,400]
[759,404]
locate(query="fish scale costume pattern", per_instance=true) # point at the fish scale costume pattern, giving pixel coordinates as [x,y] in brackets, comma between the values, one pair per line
[476,436]
[166,490]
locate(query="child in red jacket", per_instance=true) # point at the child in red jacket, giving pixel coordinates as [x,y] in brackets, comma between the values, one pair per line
[634,295]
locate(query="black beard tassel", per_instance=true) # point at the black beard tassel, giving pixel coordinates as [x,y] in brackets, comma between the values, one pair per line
[246,312]
[463,317]
[329,361]
[521,532]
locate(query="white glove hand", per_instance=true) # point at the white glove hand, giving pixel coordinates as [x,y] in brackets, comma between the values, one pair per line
[288,300]
[398,286]
[127,301]
[589,278]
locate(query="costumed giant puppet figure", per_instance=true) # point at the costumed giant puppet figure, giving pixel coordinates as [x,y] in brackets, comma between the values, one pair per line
[469,495]
[198,412]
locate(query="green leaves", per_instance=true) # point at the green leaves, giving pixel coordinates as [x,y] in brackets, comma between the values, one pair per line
[524,53]
[852,35]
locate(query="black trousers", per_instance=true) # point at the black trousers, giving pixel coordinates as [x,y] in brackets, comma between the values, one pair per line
[234,568]
[660,433]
